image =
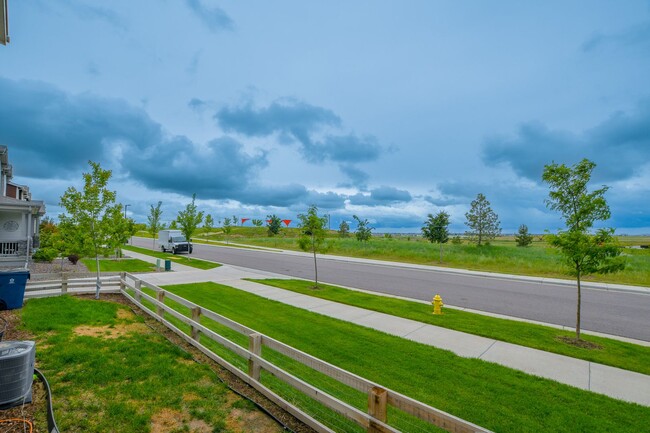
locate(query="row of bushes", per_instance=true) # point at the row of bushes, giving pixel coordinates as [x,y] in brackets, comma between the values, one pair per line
[47,255]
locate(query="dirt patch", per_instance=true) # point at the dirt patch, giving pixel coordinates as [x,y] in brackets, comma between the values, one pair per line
[168,420]
[124,314]
[578,342]
[242,421]
[110,332]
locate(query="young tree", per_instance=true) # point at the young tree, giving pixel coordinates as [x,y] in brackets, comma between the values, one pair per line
[257,222]
[208,224]
[227,227]
[436,229]
[188,220]
[235,220]
[154,222]
[344,229]
[173,225]
[119,229]
[364,231]
[274,224]
[482,221]
[580,209]
[87,215]
[312,235]
[522,237]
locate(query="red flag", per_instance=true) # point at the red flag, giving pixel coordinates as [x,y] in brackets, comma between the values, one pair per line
[287,222]
[243,220]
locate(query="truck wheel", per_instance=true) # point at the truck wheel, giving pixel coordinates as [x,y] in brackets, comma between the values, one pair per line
[163,249]
[173,250]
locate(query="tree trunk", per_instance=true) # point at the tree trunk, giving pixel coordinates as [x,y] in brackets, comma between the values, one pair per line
[98,284]
[313,248]
[578,309]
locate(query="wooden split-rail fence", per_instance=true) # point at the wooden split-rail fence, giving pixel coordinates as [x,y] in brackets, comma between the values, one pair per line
[380,398]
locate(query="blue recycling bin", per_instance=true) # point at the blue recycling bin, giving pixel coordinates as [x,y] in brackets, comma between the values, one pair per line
[12,289]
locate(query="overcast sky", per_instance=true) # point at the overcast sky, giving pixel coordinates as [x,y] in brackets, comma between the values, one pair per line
[389,110]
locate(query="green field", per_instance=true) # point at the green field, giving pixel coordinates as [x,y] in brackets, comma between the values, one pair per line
[501,256]
[495,397]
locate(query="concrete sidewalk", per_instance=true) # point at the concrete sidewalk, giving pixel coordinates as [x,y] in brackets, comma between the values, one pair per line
[602,379]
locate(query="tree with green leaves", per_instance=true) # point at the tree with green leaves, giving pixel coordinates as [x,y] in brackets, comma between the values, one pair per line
[344,229]
[522,237]
[119,229]
[312,235]
[436,229]
[154,222]
[257,222]
[482,221]
[208,225]
[274,224]
[585,253]
[235,220]
[364,231]
[189,220]
[88,215]
[173,225]
[227,228]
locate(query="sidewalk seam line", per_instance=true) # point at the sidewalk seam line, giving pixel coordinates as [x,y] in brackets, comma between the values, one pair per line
[406,335]
[486,350]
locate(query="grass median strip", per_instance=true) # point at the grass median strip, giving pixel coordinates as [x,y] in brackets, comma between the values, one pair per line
[183,260]
[123,265]
[487,394]
[615,353]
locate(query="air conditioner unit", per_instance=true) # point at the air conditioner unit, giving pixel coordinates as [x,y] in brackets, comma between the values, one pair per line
[16,372]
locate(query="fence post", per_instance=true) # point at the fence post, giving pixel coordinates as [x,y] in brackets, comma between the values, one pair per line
[160,296]
[377,407]
[254,346]
[64,282]
[196,316]
[138,288]
[122,279]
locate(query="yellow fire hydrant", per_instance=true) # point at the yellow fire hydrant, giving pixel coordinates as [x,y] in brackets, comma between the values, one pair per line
[437,304]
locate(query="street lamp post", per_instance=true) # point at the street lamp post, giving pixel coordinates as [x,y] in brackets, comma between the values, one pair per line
[126,206]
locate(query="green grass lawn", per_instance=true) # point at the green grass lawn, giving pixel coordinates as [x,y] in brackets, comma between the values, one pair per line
[181,259]
[615,353]
[111,373]
[495,397]
[501,256]
[123,265]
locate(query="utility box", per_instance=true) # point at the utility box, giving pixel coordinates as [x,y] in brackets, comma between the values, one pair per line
[168,265]
[12,289]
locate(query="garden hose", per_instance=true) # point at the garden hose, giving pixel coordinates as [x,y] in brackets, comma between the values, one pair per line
[51,423]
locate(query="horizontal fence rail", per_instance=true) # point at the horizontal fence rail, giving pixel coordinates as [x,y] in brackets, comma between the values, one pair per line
[379,398]
[42,285]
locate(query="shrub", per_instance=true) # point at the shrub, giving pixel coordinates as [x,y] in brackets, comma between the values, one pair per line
[74,258]
[45,255]
[456,240]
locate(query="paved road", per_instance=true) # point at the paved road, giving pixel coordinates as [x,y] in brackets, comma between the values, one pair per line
[611,312]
